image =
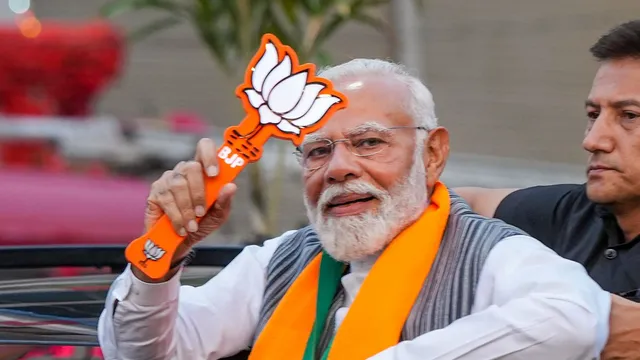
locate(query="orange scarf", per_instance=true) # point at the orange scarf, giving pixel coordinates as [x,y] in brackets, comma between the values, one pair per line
[375,320]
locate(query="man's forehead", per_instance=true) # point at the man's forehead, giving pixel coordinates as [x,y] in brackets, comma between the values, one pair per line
[375,103]
[615,82]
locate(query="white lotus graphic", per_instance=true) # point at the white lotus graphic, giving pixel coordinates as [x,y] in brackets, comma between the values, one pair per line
[283,98]
[152,252]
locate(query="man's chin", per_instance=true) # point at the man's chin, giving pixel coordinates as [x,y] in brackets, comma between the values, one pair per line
[351,255]
[348,248]
[601,194]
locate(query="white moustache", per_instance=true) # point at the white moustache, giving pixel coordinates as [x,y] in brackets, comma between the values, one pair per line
[352,187]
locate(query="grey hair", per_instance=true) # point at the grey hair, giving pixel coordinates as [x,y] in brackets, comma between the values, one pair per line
[420,106]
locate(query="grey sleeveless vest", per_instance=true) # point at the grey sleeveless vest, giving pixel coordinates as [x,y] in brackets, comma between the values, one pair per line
[447,294]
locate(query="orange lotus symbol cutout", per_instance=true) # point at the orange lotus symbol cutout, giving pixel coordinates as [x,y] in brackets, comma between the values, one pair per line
[151,252]
[282,99]
[280,94]
[285,98]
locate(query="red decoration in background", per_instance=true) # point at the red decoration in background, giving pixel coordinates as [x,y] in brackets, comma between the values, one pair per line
[56,69]
[53,69]
[187,122]
[29,153]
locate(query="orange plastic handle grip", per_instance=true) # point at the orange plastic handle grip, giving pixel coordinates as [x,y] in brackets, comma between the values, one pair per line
[283,99]
[152,252]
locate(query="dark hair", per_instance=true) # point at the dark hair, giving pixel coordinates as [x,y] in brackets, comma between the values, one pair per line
[621,42]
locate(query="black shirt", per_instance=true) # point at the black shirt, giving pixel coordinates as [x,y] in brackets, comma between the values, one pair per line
[564,219]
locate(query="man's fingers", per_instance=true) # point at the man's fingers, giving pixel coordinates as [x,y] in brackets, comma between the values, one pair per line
[194,174]
[153,213]
[225,195]
[219,212]
[181,193]
[162,197]
[179,187]
[206,155]
[221,207]
[167,203]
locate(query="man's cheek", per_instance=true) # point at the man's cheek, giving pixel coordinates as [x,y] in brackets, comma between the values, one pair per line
[312,190]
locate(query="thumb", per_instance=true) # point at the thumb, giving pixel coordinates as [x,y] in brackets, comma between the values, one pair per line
[221,206]
[152,213]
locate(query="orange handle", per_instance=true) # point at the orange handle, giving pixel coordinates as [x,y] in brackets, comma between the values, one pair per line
[153,252]
[283,99]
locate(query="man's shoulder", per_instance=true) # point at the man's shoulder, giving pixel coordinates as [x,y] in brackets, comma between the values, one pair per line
[558,199]
[551,193]
[565,188]
[293,250]
[297,240]
[490,225]
[288,234]
[465,219]
[305,232]
[546,212]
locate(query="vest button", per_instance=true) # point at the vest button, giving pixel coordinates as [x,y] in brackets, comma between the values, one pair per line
[610,254]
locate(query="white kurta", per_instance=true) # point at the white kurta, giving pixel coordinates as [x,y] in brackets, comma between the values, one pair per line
[529,304]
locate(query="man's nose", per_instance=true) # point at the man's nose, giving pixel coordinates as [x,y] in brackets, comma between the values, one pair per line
[343,165]
[599,138]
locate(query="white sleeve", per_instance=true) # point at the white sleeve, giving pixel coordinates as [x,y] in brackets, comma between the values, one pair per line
[530,304]
[169,321]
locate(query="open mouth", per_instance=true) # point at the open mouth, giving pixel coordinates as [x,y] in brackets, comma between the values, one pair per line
[348,201]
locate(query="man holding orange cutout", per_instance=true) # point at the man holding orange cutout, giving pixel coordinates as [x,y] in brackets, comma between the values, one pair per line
[393,266]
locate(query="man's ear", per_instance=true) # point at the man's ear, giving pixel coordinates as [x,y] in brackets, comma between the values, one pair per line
[436,154]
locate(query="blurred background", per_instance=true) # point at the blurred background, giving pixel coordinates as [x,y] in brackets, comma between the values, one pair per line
[98,98]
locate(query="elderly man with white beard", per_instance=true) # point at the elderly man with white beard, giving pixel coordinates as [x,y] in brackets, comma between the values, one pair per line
[393,266]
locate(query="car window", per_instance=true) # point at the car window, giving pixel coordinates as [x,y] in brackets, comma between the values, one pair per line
[46,307]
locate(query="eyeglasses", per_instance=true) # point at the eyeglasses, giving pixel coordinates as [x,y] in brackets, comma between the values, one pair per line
[367,143]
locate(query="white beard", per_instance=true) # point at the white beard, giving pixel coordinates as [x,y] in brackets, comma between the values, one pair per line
[353,238]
